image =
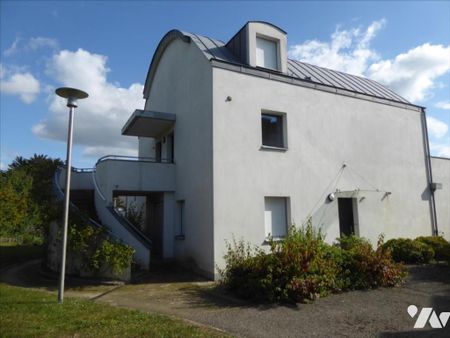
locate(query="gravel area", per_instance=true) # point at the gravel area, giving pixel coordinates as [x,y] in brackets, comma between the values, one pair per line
[381,312]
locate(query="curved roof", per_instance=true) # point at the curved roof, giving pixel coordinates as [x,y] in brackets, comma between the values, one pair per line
[214,49]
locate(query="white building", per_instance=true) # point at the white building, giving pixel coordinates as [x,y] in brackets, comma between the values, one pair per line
[236,140]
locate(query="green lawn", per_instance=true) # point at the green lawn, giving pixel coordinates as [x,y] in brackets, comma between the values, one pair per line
[32,313]
[28,313]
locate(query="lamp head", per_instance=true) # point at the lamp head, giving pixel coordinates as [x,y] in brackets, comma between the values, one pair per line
[72,95]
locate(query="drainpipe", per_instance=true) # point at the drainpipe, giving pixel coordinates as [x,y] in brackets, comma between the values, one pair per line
[430,175]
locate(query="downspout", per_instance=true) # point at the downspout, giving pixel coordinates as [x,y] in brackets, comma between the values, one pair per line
[430,175]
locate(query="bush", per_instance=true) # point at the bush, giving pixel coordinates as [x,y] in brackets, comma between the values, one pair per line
[96,249]
[362,267]
[440,246]
[303,267]
[409,251]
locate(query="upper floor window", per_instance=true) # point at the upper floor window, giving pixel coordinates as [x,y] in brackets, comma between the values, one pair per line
[266,53]
[273,127]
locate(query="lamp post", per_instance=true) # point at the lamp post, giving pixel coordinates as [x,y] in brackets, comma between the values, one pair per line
[72,95]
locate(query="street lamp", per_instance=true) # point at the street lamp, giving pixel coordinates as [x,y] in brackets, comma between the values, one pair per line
[72,95]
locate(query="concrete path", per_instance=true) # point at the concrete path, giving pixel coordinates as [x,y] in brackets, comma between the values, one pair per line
[353,314]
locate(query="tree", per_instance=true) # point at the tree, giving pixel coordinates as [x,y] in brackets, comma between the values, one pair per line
[40,170]
[18,212]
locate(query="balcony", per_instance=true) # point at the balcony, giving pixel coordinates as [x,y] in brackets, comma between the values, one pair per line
[133,174]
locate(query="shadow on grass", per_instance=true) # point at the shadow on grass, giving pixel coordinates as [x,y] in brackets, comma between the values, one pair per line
[15,254]
[33,274]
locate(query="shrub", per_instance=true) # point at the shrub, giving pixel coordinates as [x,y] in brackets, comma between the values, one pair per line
[362,267]
[97,249]
[295,269]
[440,246]
[303,267]
[409,251]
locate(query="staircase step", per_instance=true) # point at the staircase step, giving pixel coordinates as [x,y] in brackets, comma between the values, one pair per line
[85,201]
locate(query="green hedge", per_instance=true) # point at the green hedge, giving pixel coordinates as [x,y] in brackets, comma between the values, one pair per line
[440,246]
[421,250]
[409,251]
[303,267]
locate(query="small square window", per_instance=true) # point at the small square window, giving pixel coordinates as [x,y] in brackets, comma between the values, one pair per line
[273,134]
[266,53]
[276,216]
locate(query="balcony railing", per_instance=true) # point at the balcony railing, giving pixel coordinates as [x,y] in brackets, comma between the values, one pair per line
[134,159]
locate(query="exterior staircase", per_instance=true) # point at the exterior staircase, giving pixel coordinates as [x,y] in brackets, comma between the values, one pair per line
[86,200]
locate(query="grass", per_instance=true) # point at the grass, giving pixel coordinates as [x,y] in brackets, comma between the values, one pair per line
[33,313]
[27,313]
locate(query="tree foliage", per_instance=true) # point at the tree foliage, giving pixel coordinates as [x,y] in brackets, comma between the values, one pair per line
[26,206]
[18,211]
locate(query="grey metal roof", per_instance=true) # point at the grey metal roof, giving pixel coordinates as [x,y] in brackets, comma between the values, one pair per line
[215,50]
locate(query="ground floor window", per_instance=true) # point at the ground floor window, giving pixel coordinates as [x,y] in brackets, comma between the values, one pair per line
[276,216]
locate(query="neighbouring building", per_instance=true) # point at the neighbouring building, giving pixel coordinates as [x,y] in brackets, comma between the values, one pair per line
[238,141]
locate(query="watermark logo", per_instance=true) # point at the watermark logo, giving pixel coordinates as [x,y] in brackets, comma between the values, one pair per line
[428,315]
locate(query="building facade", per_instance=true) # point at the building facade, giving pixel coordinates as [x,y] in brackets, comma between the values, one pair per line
[238,141]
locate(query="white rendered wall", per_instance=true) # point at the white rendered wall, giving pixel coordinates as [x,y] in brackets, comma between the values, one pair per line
[183,86]
[78,180]
[441,174]
[132,176]
[383,144]
[146,147]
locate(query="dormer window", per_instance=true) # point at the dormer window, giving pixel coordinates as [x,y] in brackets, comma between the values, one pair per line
[260,44]
[266,53]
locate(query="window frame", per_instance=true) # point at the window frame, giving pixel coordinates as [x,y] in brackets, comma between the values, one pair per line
[284,136]
[287,212]
[277,52]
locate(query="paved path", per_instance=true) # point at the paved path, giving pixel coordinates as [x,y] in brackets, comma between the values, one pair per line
[353,314]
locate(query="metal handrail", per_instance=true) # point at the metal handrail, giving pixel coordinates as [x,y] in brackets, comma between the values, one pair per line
[82,170]
[73,207]
[97,188]
[139,234]
[133,159]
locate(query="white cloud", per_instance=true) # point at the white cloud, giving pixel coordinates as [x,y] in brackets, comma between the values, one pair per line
[412,74]
[13,49]
[23,84]
[436,127]
[99,118]
[41,42]
[99,151]
[443,105]
[31,44]
[442,150]
[348,51]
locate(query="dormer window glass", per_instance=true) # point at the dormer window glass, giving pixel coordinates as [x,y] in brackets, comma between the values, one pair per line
[266,53]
